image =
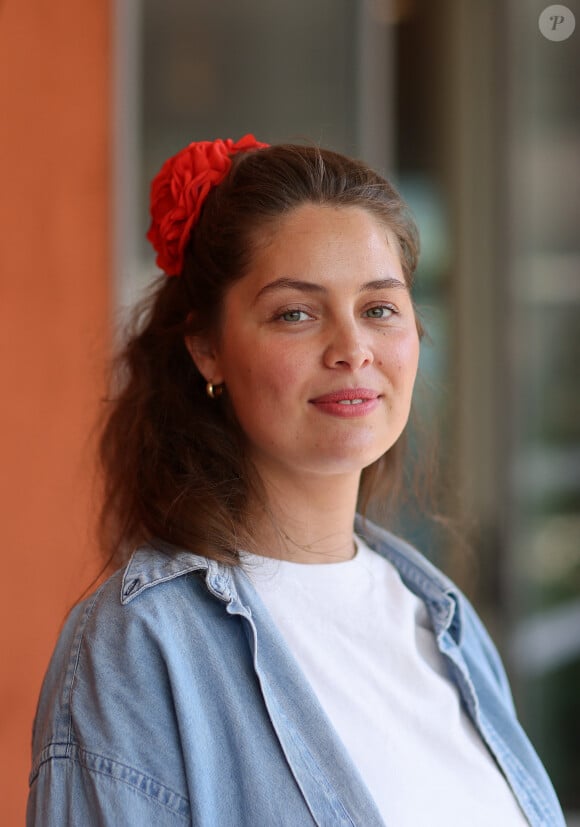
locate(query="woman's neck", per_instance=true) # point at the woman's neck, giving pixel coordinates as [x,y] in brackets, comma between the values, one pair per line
[309,521]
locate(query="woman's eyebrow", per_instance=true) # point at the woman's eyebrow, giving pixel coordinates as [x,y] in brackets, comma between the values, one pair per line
[383,284]
[285,283]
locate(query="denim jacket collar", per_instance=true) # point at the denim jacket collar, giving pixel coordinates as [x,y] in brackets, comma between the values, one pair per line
[145,571]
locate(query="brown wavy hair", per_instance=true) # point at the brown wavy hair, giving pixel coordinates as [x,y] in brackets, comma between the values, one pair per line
[174,462]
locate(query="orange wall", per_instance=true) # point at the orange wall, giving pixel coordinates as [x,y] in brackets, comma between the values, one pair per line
[54,324]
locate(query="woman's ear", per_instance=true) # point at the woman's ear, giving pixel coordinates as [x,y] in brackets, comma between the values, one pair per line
[205,358]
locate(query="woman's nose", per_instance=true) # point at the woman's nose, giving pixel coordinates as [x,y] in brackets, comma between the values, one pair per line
[347,347]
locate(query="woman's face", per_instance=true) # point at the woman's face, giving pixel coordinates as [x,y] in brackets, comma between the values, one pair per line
[318,349]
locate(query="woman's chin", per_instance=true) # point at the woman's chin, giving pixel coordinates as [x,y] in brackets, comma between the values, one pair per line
[344,463]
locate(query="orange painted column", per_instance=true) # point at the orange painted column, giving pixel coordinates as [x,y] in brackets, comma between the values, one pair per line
[55,288]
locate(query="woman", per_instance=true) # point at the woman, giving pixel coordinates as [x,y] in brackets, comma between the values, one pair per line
[262,656]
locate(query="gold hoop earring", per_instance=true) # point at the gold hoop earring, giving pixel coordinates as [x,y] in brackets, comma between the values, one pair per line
[213,391]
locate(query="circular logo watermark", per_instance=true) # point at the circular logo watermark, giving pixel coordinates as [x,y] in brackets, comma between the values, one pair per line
[557,22]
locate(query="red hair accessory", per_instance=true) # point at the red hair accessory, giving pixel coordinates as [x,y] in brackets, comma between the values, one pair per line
[179,190]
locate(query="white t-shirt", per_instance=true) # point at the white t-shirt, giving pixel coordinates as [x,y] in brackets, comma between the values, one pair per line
[365,644]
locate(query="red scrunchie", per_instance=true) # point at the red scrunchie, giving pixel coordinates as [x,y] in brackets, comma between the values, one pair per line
[179,190]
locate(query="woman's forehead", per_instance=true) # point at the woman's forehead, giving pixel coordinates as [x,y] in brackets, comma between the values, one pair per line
[318,249]
[324,230]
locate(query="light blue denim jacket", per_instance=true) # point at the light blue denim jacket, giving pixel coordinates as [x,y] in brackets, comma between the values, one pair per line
[171,699]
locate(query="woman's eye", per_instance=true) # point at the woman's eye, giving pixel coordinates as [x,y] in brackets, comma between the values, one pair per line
[294,316]
[382,311]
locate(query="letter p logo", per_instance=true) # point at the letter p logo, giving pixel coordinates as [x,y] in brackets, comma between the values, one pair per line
[557,22]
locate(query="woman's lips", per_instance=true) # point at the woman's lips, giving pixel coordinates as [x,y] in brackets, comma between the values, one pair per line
[348,402]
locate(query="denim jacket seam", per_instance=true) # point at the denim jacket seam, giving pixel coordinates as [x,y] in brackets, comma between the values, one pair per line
[75,657]
[527,784]
[316,772]
[89,760]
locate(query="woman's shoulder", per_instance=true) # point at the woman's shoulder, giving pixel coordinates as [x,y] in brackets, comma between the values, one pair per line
[449,608]
[124,657]
[452,613]
[154,585]
[418,573]
[127,630]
